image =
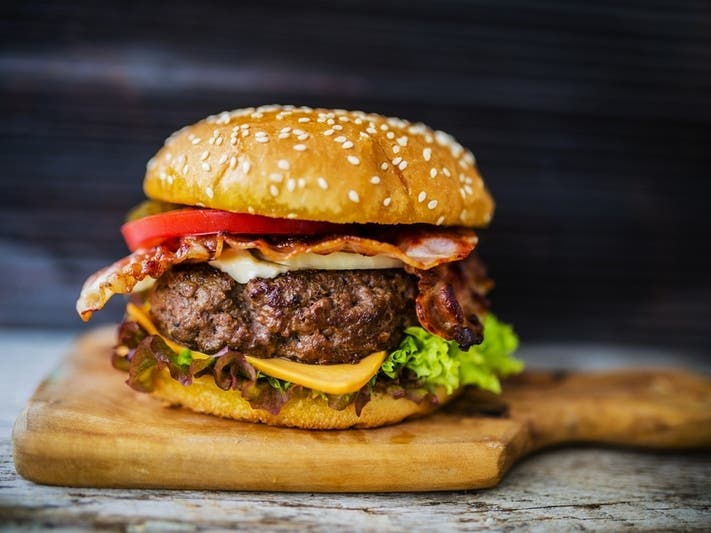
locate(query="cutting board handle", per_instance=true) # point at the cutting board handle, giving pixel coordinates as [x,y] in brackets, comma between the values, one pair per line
[650,408]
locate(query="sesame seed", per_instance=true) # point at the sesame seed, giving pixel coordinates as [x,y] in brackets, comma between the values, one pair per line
[384,127]
[233,162]
[433,172]
[290,184]
[218,141]
[250,209]
[233,140]
[440,220]
[275,176]
[390,135]
[210,193]
[186,167]
[303,136]
[353,160]
[245,133]
[468,189]
[384,165]
[246,166]
[301,182]
[283,135]
[283,164]
[299,147]
[402,165]
[291,215]
[397,160]
[245,126]
[353,196]
[337,127]
[274,190]
[328,133]
[285,129]
[206,167]
[340,139]
[442,138]
[204,155]
[322,183]
[347,144]
[402,141]
[375,180]
[303,120]
[432,204]
[262,139]
[427,153]
[196,140]
[446,172]
[421,197]
[371,130]
[387,201]
[396,149]
[428,138]
[222,160]
[260,134]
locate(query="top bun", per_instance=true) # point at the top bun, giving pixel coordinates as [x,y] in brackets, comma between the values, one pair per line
[321,164]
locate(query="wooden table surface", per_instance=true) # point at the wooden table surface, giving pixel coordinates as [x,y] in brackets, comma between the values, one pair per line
[580,488]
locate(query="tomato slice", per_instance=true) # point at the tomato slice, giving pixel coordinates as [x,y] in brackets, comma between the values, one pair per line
[154,229]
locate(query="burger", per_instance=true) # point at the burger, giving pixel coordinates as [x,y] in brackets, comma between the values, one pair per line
[310,268]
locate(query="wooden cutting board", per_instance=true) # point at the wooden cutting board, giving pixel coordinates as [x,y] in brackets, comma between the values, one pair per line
[85,427]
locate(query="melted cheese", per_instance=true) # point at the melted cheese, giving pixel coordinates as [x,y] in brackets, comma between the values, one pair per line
[331,379]
[244,266]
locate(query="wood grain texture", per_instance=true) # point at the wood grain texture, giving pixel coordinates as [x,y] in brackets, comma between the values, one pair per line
[577,488]
[83,427]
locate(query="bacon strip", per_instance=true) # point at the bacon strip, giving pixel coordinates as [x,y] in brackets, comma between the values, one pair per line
[450,299]
[419,248]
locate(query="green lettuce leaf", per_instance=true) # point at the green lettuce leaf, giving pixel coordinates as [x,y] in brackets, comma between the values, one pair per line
[438,362]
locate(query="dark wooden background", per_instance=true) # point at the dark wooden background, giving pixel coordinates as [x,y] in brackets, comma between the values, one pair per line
[591,122]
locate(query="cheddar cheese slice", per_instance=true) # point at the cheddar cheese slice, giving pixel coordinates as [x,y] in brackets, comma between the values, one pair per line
[332,379]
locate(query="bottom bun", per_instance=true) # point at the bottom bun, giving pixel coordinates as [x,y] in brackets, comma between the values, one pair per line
[307,413]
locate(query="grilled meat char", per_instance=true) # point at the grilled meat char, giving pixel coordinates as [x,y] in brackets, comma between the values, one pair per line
[311,316]
[318,316]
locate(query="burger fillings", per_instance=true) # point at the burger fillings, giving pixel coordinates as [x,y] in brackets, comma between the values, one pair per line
[308,268]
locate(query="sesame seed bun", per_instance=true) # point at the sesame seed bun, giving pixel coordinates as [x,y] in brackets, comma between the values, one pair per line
[204,396]
[320,164]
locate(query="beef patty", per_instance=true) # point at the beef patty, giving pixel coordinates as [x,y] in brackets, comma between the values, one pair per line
[313,316]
